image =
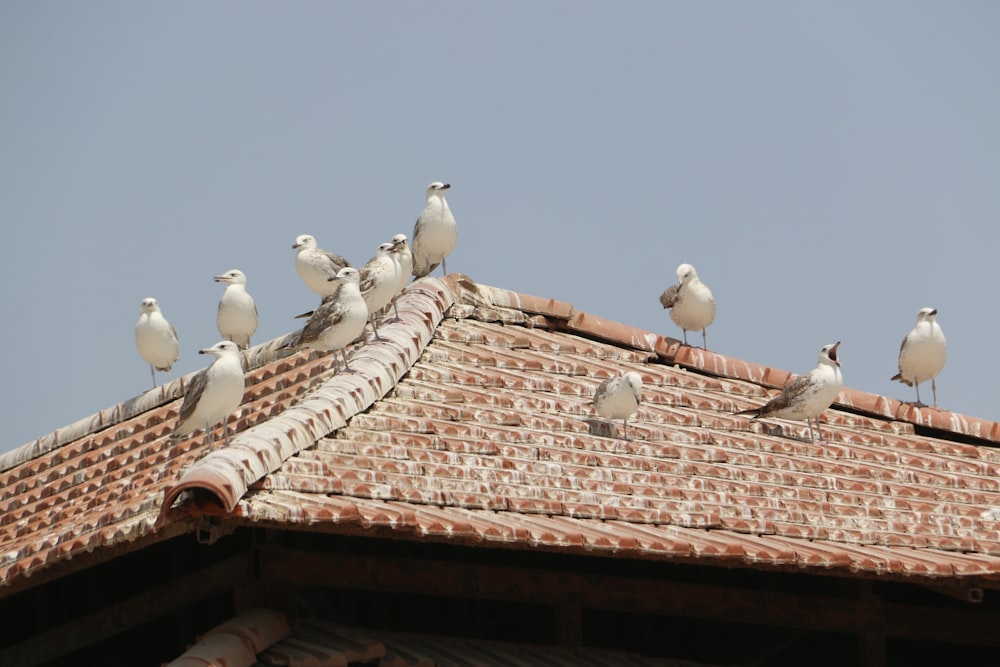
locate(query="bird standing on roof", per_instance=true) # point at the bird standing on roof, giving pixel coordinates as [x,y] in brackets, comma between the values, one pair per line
[339,320]
[435,233]
[237,315]
[214,393]
[404,260]
[156,339]
[316,266]
[378,280]
[922,353]
[618,398]
[808,395]
[691,303]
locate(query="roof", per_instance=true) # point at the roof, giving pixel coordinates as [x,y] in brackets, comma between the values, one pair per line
[470,423]
[265,637]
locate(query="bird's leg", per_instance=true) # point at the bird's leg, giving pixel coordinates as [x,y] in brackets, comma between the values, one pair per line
[704,340]
[152,372]
[395,308]
[625,427]
[916,385]
[343,352]
[685,336]
[934,391]
[444,267]
[809,424]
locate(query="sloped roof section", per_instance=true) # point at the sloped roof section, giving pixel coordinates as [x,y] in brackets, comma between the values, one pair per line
[264,637]
[470,422]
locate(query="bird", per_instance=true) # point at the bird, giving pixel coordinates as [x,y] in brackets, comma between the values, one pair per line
[237,316]
[922,353]
[807,396]
[378,280]
[619,397]
[315,265]
[404,259]
[338,321]
[156,339]
[434,234]
[214,393]
[691,303]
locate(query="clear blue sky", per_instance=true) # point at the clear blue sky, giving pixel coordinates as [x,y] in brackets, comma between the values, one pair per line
[829,168]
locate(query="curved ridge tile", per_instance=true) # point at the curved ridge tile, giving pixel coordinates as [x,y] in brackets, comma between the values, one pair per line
[228,472]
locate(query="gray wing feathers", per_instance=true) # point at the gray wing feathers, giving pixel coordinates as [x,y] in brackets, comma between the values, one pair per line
[337,261]
[329,313]
[670,296]
[898,377]
[192,396]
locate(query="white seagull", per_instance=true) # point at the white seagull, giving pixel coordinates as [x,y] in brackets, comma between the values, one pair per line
[237,316]
[434,234]
[808,396]
[618,398]
[338,321]
[922,353]
[404,259]
[316,266]
[214,393]
[156,339]
[690,301]
[378,280]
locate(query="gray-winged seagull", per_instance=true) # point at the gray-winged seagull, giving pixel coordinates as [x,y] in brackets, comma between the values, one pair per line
[214,393]
[404,259]
[237,315]
[619,397]
[809,395]
[316,266]
[378,280]
[156,339]
[690,301]
[922,353]
[338,321]
[435,233]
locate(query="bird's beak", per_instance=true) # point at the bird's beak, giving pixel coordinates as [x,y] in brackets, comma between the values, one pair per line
[295,246]
[446,186]
[934,312]
[205,351]
[219,279]
[833,353]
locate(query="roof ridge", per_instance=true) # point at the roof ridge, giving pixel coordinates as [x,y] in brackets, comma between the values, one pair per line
[227,473]
[563,316]
[253,358]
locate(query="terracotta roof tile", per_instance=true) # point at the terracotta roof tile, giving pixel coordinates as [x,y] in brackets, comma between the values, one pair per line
[478,428]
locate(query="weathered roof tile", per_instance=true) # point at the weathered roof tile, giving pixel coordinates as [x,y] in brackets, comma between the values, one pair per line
[478,428]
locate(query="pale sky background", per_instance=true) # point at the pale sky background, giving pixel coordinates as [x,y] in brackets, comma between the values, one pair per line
[829,168]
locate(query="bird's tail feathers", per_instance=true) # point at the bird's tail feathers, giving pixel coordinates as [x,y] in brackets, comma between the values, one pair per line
[898,377]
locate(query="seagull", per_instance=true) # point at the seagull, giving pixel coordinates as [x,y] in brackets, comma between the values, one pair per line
[214,393]
[922,353]
[316,266]
[156,339]
[237,317]
[339,320]
[434,234]
[808,395]
[404,259]
[619,398]
[378,280]
[691,303]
